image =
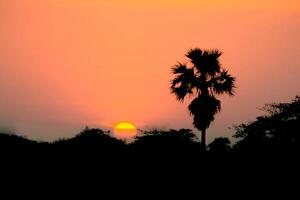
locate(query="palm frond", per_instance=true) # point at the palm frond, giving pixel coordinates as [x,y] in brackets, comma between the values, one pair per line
[204,109]
[224,83]
[194,54]
[215,53]
[181,92]
[179,68]
[205,61]
[182,84]
[205,79]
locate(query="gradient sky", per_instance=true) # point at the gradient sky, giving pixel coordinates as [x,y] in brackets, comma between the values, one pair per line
[70,63]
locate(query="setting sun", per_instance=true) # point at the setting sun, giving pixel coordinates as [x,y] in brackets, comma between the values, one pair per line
[125,130]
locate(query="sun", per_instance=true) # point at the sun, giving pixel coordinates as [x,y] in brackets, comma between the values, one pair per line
[125,130]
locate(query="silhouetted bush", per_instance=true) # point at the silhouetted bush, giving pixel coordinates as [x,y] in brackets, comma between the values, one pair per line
[166,141]
[11,139]
[278,131]
[92,137]
[220,146]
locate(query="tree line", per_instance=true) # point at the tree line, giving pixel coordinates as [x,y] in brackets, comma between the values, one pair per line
[276,131]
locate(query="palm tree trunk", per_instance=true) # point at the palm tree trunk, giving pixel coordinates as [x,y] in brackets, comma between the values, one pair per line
[203,140]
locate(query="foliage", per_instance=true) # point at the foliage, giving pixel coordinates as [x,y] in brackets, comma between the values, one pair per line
[202,78]
[11,139]
[277,131]
[220,145]
[94,137]
[173,140]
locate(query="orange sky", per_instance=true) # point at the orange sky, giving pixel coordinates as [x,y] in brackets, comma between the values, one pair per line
[70,63]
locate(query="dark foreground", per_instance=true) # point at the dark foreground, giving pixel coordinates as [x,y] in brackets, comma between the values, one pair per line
[93,172]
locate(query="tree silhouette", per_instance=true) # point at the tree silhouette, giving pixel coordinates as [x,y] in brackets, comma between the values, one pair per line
[92,137]
[278,131]
[165,139]
[11,139]
[202,78]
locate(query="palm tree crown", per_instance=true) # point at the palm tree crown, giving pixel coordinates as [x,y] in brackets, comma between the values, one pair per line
[202,78]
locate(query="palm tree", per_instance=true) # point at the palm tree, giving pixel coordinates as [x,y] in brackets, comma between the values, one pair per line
[202,78]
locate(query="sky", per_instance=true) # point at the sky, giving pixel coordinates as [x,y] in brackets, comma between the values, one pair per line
[67,64]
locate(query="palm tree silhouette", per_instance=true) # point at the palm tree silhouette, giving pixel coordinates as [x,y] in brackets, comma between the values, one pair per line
[202,78]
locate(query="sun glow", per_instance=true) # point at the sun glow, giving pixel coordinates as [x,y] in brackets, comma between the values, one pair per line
[125,130]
